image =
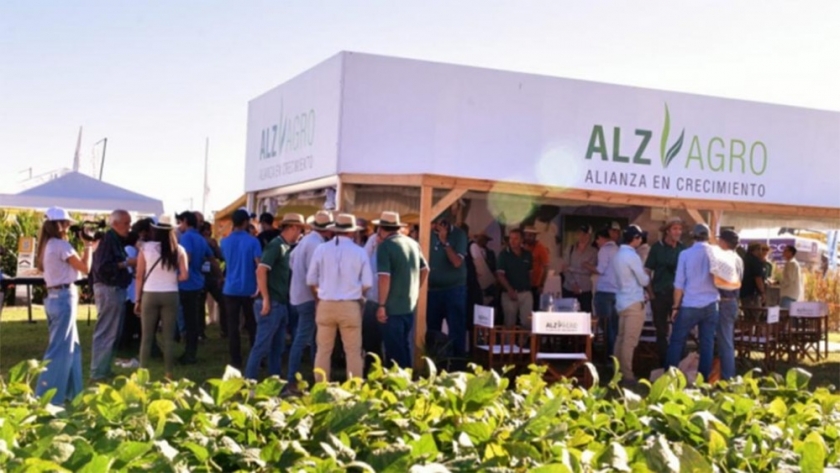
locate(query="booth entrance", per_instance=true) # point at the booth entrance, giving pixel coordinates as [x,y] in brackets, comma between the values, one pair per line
[364,133]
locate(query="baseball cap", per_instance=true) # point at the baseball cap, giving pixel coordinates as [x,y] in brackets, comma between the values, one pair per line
[701,229]
[585,228]
[633,231]
[730,236]
[603,233]
[615,226]
[239,217]
[54,214]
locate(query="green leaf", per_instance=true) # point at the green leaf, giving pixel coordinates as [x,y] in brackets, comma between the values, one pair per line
[691,461]
[551,468]
[778,408]
[344,417]
[479,432]
[37,465]
[812,454]
[660,456]
[539,422]
[674,149]
[663,142]
[613,456]
[797,378]
[227,388]
[99,464]
[481,390]
[424,446]
[717,444]
[201,453]
[128,451]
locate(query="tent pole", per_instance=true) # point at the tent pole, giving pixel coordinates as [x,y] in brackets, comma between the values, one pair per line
[425,237]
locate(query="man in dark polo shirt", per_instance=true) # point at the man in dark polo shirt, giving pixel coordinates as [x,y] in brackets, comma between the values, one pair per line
[514,273]
[753,291]
[662,260]
[271,310]
[402,269]
[110,277]
[448,284]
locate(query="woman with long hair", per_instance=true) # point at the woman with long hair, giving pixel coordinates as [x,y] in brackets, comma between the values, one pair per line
[61,266]
[161,264]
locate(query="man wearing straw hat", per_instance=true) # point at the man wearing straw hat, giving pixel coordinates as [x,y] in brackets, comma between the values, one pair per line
[272,311]
[402,269]
[301,296]
[339,274]
[662,260]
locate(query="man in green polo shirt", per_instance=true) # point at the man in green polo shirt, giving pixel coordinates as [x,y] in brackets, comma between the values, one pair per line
[662,260]
[514,273]
[448,284]
[402,269]
[271,310]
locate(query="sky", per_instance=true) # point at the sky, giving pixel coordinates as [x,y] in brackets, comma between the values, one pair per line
[157,78]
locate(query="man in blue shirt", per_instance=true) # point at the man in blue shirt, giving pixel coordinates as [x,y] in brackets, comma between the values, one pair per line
[191,290]
[631,279]
[695,302]
[242,253]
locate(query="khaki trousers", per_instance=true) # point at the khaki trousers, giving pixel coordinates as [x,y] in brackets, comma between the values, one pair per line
[630,323]
[522,306]
[346,318]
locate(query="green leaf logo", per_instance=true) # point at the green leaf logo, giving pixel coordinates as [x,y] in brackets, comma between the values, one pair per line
[668,154]
[282,126]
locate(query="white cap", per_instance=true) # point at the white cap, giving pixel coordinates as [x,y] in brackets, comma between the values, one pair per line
[54,214]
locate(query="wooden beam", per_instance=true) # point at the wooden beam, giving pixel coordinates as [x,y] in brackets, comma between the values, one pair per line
[414,180]
[446,201]
[714,224]
[695,215]
[588,196]
[425,237]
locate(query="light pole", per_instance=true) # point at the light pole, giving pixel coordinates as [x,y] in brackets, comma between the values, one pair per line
[104,142]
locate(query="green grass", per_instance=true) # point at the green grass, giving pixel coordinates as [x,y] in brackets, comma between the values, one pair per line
[20,340]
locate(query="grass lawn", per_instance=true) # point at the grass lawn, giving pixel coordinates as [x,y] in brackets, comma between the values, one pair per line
[20,340]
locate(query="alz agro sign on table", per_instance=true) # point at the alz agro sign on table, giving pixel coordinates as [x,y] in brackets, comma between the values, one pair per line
[293,130]
[726,166]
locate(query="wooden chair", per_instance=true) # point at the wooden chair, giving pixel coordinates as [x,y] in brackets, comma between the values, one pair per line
[497,347]
[647,340]
[807,328]
[562,341]
[756,332]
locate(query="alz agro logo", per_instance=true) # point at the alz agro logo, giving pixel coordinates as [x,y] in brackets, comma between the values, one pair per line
[714,154]
[288,134]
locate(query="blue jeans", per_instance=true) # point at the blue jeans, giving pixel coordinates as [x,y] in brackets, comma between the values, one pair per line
[270,340]
[293,322]
[786,302]
[450,305]
[687,318]
[725,337]
[64,352]
[396,332]
[607,318]
[110,305]
[304,336]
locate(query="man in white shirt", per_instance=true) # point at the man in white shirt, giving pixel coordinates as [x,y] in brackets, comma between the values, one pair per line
[606,288]
[631,280]
[301,296]
[339,274]
[791,283]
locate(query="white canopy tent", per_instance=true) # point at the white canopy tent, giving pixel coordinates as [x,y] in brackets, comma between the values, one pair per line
[79,192]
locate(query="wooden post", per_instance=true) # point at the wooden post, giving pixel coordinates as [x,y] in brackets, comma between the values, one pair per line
[714,224]
[425,237]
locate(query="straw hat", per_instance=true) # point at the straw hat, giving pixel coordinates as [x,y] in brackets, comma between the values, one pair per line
[293,219]
[344,223]
[321,220]
[530,230]
[671,222]
[164,222]
[388,219]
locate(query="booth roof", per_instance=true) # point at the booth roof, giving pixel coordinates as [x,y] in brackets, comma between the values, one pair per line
[76,191]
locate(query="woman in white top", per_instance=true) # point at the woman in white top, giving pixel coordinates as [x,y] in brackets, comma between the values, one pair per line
[61,266]
[161,264]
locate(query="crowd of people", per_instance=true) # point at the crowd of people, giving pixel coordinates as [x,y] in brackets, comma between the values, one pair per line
[306,280]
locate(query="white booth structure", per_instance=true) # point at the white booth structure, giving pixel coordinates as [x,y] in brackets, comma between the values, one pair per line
[365,133]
